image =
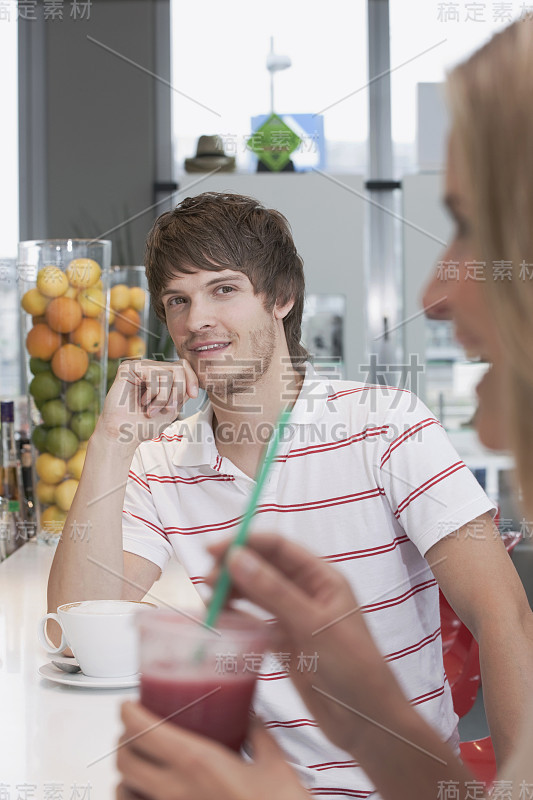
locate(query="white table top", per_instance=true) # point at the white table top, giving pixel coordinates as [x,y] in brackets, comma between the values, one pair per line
[50,733]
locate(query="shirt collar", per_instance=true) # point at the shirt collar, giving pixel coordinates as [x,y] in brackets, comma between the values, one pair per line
[197,446]
[311,402]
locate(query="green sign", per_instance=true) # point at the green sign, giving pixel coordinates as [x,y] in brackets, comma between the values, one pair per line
[273,143]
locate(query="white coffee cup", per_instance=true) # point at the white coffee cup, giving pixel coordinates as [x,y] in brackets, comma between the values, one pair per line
[101,634]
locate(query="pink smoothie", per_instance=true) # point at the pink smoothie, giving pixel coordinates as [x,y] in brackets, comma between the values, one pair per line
[223,716]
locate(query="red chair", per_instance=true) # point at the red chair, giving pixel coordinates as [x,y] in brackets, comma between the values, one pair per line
[461,663]
[460,654]
[479,757]
[510,540]
[450,624]
[460,650]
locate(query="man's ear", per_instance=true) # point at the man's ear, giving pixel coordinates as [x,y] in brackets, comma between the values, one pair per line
[281,311]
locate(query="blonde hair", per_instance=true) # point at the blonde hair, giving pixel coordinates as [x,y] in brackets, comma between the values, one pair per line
[491,100]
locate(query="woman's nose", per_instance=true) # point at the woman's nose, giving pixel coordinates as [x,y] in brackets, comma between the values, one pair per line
[436,296]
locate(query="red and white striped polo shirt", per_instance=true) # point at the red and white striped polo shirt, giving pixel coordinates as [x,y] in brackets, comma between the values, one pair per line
[368,480]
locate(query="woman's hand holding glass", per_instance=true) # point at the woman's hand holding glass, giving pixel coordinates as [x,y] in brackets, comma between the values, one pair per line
[351,687]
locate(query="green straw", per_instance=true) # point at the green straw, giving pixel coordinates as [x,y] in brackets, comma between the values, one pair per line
[223,583]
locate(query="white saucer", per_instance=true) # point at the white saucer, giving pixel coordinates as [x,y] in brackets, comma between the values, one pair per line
[84,681]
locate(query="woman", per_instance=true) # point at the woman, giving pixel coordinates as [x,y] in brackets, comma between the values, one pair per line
[353,695]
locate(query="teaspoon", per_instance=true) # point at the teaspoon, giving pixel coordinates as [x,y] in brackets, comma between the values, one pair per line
[66,666]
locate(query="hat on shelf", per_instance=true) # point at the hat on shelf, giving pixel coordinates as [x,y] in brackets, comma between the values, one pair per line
[210,155]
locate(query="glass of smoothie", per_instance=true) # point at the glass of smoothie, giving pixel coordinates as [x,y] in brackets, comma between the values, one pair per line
[201,678]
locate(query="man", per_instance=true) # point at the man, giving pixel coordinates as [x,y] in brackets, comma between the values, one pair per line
[367,479]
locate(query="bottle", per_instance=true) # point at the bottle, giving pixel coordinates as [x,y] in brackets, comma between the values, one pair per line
[28,508]
[11,525]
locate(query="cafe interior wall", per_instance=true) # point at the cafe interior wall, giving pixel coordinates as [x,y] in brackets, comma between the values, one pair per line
[93,124]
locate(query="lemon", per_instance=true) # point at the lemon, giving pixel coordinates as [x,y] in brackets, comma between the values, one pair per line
[137,298]
[45,492]
[83,272]
[83,445]
[75,464]
[53,519]
[92,302]
[50,469]
[52,282]
[34,303]
[119,297]
[64,493]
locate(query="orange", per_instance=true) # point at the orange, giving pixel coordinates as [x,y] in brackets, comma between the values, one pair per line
[89,334]
[137,298]
[120,297]
[70,362]
[127,322]
[34,303]
[117,345]
[92,302]
[83,272]
[136,347]
[52,282]
[112,315]
[41,342]
[63,314]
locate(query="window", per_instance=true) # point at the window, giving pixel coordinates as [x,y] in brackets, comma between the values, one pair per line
[427,39]
[220,78]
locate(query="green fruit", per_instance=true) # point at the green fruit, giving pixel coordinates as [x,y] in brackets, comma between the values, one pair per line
[38,438]
[83,424]
[45,386]
[38,365]
[55,414]
[61,442]
[95,405]
[79,395]
[93,374]
[112,368]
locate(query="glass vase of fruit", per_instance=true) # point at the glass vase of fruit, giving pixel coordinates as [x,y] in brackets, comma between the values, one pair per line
[128,317]
[63,285]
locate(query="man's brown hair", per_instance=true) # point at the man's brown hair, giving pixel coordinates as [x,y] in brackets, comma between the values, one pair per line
[216,231]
